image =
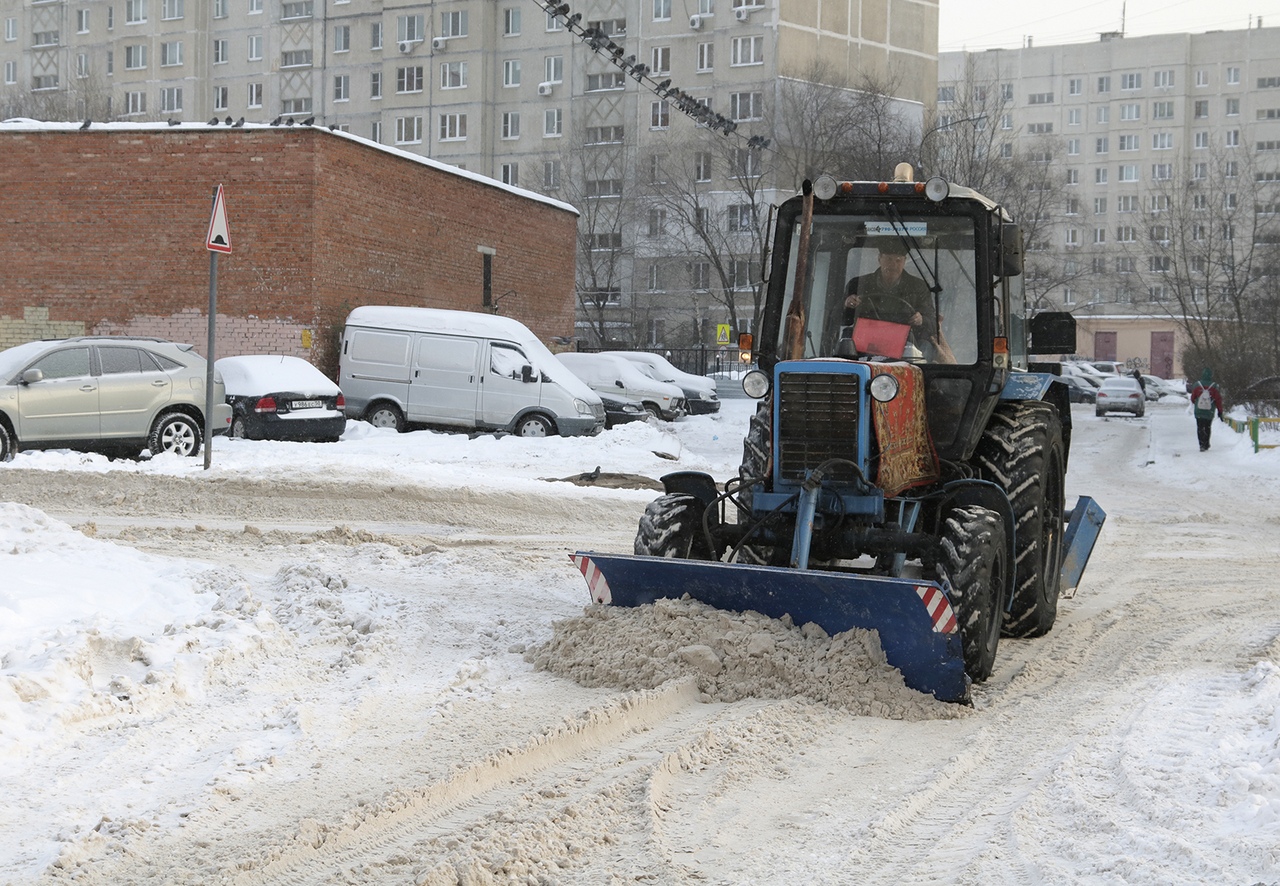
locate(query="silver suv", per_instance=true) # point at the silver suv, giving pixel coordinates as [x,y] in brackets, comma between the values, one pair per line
[105,393]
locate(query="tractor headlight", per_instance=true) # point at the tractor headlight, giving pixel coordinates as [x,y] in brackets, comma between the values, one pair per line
[884,388]
[756,384]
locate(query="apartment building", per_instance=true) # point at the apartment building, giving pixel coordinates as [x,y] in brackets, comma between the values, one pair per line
[509,89]
[1134,125]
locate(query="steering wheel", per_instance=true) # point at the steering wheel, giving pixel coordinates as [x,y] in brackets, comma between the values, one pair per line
[880,310]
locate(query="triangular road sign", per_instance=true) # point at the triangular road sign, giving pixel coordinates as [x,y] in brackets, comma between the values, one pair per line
[219,239]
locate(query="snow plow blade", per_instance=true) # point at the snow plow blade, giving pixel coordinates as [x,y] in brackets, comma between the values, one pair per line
[917,627]
[1084,524]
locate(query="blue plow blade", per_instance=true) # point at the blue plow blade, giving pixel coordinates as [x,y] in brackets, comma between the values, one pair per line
[917,627]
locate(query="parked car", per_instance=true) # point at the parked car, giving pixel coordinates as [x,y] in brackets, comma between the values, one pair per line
[462,370]
[1083,370]
[1079,390]
[699,391]
[619,410]
[604,373]
[1120,393]
[108,394]
[1165,386]
[1262,397]
[274,397]
[1109,367]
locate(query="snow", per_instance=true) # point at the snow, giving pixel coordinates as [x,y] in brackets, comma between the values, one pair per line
[354,662]
[258,374]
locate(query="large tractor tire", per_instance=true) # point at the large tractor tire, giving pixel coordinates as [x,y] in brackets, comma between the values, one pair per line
[1022,451]
[671,527]
[756,466]
[973,561]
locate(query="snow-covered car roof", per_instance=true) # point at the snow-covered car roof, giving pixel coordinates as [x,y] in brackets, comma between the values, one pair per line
[257,374]
[667,371]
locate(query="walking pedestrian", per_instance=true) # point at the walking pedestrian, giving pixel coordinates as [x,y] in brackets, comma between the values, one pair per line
[1206,399]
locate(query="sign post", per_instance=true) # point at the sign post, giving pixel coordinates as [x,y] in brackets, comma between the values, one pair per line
[218,240]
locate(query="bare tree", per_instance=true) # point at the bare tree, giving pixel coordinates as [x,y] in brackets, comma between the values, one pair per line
[82,97]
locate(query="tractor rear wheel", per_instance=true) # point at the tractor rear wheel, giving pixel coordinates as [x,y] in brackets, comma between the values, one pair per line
[1022,451]
[973,561]
[671,527]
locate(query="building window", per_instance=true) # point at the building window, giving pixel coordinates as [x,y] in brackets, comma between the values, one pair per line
[702,166]
[660,60]
[553,69]
[1232,138]
[603,135]
[1104,84]
[741,217]
[82,21]
[1233,107]
[135,103]
[553,23]
[1201,140]
[1073,237]
[746,106]
[453,24]
[408,130]
[254,98]
[255,47]
[1199,171]
[511,72]
[1073,117]
[296,58]
[510,22]
[1130,81]
[135,57]
[341,88]
[1101,145]
[1040,98]
[510,174]
[1127,203]
[603,187]
[1131,111]
[220,8]
[1163,79]
[1233,76]
[135,13]
[82,65]
[657,222]
[1104,114]
[1161,171]
[375,35]
[1128,173]
[550,174]
[293,106]
[1162,141]
[296,9]
[1128,143]
[1162,110]
[170,54]
[1200,110]
[44,38]
[552,123]
[409,28]
[659,114]
[11,29]
[1099,205]
[453,127]
[1100,175]
[170,9]
[171,99]
[1075,86]
[221,52]
[510,125]
[341,38]
[661,10]
[746,51]
[255,7]
[608,81]
[453,75]
[375,132]
[1202,78]
[10,73]
[409,79]
[220,98]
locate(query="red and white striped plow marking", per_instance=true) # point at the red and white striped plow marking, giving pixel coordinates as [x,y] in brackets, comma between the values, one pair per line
[939,607]
[595,579]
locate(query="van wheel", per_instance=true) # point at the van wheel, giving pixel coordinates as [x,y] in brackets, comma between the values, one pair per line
[6,443]
[535,426]
[385,415]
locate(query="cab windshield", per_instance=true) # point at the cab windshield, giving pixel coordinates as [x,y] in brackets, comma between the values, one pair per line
[900,289]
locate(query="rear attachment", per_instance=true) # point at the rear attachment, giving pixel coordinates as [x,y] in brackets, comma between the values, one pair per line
[914,620]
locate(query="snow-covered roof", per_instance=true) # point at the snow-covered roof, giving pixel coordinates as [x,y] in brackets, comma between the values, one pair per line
[26,124]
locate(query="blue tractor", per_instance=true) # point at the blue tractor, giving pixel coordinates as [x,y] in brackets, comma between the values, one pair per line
[904,470]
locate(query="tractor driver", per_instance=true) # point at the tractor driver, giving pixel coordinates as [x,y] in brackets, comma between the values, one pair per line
[890,294]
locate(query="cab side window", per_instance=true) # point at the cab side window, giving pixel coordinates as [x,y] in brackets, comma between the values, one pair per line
[121,360]
[68,363]
[506,361]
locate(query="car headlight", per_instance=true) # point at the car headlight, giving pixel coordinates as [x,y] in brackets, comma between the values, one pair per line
[583,407]
[884,388]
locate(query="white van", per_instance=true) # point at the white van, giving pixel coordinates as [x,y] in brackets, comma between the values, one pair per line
[613,375]
[699,391]
[459,369]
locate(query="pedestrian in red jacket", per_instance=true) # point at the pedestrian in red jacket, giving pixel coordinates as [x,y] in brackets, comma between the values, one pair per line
[1206,399]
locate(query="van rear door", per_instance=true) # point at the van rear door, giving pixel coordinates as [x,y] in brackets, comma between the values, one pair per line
[512,382]
[444,387]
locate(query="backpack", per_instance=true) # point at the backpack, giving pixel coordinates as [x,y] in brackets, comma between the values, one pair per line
[1205,401]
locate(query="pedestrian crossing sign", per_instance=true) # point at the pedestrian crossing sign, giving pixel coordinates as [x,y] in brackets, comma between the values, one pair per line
[722,334]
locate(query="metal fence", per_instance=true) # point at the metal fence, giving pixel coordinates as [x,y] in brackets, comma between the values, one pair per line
[720,361]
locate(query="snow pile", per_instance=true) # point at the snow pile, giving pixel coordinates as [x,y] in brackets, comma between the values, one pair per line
[732,656]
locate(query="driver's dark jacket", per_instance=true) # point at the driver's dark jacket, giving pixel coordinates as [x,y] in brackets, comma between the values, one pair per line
[881,302]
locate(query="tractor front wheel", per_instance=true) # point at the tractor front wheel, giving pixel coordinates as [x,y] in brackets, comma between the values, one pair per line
[671,527]
[974,563]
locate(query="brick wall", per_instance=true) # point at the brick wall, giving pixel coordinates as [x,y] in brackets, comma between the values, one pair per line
[104,231]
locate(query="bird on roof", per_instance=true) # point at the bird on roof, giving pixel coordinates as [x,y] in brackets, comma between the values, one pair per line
[238,123]
[174,122]
[289,122]
[227,121]
[85,124]
[333,127]
[213,122]
[276,122]
[309,121]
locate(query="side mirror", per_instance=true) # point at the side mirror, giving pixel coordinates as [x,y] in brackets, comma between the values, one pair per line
[31,376]
[1052,332]
[618,383]
[1009,257]
[526,374]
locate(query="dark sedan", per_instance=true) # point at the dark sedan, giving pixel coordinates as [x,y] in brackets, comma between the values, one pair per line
[275,397]
[620,410]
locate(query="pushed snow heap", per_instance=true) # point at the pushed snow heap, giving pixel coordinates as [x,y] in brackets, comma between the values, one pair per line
[732,656]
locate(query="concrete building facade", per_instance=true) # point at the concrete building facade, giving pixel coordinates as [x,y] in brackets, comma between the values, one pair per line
[105,233]
[506,89]
[1132,122]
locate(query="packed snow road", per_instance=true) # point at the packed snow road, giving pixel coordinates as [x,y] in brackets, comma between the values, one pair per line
[398,685]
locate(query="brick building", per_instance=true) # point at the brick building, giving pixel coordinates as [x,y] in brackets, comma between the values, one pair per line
[104,233]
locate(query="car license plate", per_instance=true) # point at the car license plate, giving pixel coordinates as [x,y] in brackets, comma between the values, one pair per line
[306,404]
